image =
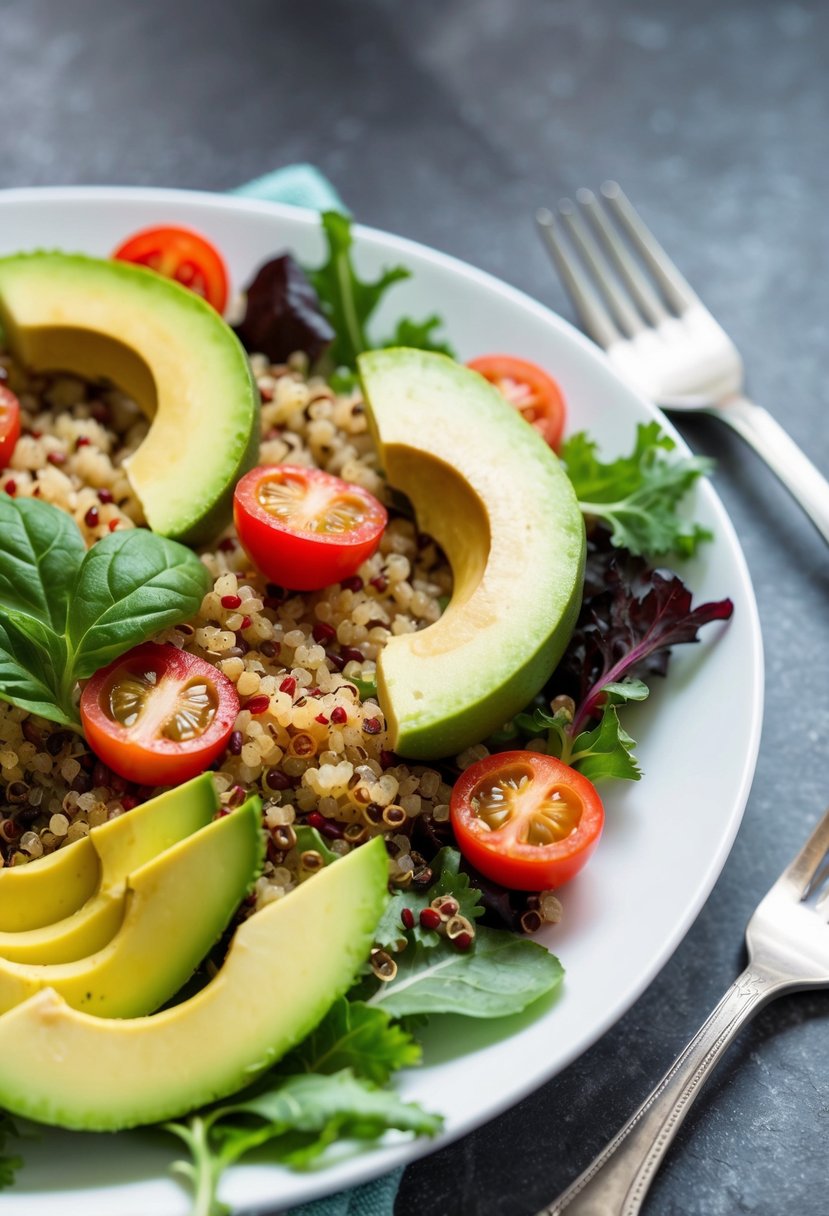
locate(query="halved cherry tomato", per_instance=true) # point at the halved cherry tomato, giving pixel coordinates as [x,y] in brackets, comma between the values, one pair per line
[9,424]
[304,528]
[158,715]
[526,820]
[530,389]
[183,255]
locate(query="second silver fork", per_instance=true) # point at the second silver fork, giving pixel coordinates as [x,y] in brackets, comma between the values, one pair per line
[634,302]
[788,949]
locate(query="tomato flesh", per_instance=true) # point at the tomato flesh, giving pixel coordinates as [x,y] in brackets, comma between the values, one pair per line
[182,255]
[158,715]
[304,528]
[531,390]
[526,820]
[9,424]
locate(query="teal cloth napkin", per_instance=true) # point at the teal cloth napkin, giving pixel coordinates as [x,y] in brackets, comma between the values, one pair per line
[305,186]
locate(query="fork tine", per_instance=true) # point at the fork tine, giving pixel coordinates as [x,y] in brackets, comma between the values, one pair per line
[626,316]
[594,316]
[630,274]
[679,294]
[799,873]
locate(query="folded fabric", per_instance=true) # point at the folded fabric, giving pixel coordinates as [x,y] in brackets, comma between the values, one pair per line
[300,185]
[305,186]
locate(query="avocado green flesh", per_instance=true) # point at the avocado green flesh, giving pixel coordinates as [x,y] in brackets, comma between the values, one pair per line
[285,966]
[488,488]
[167,349]
[122,846]
[177,906]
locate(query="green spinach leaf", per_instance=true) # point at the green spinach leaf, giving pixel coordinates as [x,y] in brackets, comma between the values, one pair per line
[130,586]
[41,551]
[501,974]
[66,612]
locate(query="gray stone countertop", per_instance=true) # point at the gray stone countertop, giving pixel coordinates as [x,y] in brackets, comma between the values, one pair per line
[449,121]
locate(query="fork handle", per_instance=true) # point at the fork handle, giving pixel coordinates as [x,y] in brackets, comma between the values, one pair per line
[617,1180]
[780,452]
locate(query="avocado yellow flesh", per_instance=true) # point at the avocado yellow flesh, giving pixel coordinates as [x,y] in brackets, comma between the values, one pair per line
[166,348]
[284,968]
[178,904]
[50,888]
[123,845]
[488,488]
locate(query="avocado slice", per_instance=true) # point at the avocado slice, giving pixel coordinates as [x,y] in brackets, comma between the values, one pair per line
[285,967]
[491,492]
[166,348]
[52,888]
[178,905]
[122,845]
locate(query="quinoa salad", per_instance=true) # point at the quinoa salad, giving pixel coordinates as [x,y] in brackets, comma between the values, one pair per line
[306,739]
[348,664]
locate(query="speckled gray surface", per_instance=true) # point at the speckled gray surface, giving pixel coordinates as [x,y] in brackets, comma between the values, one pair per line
[449,121]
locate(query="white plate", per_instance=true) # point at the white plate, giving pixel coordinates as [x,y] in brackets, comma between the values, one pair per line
[667,836]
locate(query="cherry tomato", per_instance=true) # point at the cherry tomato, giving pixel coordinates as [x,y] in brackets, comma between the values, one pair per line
[9,424]
[526,820]
[158,715]
[304,528]
[183,255]
[530,389]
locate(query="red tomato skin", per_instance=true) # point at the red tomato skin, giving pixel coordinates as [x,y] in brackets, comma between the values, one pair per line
[549,404]
[9,424]
[157,761]
[526,867]
[303,561]
[174,247]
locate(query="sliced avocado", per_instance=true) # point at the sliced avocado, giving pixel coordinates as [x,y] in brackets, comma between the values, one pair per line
[178,905]
[166,348]
[123,845]
[285,967]
[50,889]
[487,487]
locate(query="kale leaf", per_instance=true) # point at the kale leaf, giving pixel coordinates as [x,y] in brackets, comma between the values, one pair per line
[638,495]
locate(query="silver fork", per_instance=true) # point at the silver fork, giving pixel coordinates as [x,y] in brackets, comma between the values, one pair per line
[635,303]
[788,949]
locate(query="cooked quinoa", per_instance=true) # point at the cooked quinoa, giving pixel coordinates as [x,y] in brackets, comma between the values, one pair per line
[305,738]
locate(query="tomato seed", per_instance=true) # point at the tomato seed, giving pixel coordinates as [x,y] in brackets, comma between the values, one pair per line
[323,632]
[92,518]
[82,442]
[230,601]
[407,917]
[338,715]
[10,487]
[106,497]
[56,458]
[288,685]
[258,705]
[372,726]
[234,743]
